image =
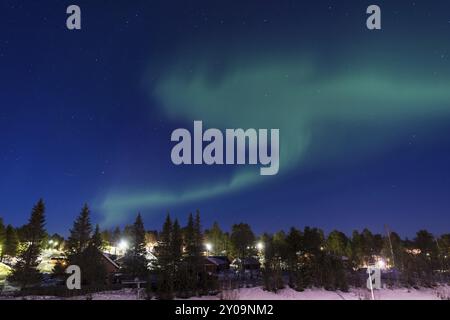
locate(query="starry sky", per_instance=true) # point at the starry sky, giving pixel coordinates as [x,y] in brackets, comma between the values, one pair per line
[364,116]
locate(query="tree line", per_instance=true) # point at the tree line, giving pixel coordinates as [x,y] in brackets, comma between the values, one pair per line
[297,258]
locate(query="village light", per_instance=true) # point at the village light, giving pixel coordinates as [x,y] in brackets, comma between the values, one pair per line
[123,244]
[208,248]
[260,246]
[381,264]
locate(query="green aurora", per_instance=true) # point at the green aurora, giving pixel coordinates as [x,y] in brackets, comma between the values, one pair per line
[322,112]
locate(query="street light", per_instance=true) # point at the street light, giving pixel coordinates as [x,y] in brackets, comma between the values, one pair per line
[260,246]
[381,264]
[123,245]
[208,248]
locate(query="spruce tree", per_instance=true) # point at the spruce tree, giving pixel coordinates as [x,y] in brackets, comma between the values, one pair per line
[176,251]
[135,261]
[86,251]
[272,276]
[11,242]
[198,234]
[80,233]
[196,275]
[242,239]
[25,272]
[164,265]
[192,253]
[177,241]
[338,244]
[91,263]
[194,239]
[217,238]
[294,242]
[96,240]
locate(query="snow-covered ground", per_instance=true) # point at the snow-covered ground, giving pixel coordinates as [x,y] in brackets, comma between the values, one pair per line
[257,293]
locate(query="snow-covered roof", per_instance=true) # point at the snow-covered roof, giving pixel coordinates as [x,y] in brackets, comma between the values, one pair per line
[110,260]
[217,261]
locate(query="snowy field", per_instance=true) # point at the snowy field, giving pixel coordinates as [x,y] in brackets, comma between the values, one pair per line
[257,293]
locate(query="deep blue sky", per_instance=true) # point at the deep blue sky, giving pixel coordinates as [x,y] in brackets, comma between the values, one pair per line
[86,116]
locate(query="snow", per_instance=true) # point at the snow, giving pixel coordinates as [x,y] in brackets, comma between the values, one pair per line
[124,294]
[257,293]
[4,270]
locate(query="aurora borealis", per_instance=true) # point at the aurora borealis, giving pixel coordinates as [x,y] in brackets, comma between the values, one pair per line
[363,115]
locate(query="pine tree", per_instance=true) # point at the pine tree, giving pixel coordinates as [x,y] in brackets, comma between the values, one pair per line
[11,242]
[90,261]
[198,234]
[242,239]
[198,276]
[86,251]
[218,240]
[176,251]
[80,233]
[177,242]
[294,242]
[189,237]
[25,272]
[272,273]
[164,265]
[368,245]
[357,249]
[193,253]
[337,243]
[96,240]
[135,262]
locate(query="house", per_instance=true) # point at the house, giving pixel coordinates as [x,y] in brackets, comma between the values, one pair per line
[246,264]
[151,258]
[216,264]
[110,266]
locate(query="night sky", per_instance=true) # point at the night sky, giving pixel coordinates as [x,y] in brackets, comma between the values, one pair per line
[364,116]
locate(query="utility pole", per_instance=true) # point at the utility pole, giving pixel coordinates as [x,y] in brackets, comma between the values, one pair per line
[388,232]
